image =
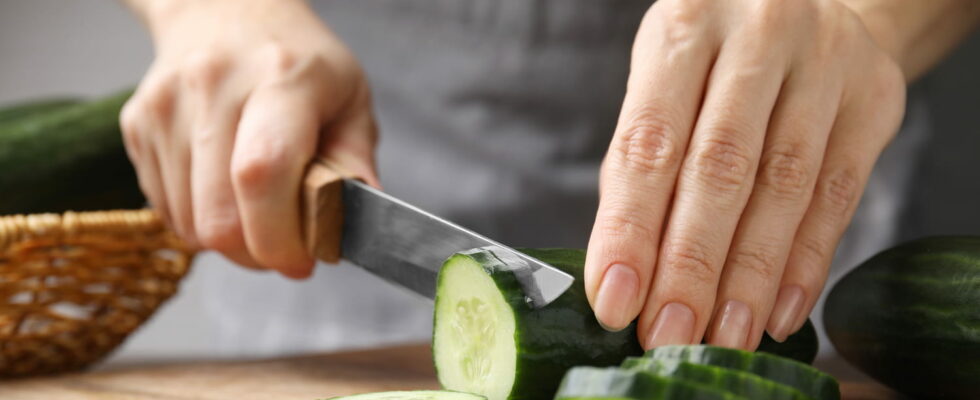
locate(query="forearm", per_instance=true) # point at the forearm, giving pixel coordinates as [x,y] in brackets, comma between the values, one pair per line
[917,33]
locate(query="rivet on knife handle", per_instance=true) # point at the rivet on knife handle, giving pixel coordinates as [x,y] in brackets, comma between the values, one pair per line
[322,210]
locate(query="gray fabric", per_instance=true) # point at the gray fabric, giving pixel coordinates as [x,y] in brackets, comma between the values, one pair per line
[494,114]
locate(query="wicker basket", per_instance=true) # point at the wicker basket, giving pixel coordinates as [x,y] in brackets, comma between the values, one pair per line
[73,286]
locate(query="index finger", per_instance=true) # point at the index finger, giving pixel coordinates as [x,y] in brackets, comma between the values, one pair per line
[669,67]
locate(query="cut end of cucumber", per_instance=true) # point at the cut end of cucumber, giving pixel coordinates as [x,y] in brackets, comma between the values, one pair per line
[473,343]
[413,395]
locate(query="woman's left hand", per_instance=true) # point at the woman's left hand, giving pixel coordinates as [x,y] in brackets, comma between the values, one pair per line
[746,137]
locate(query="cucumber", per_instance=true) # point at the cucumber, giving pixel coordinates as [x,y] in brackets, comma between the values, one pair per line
[806,379]
[734,381]
[15,112]
[910,317]
[70,158]
[413,395]
[488,340]
[591,382]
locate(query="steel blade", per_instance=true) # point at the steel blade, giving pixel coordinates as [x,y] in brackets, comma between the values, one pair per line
[406,245]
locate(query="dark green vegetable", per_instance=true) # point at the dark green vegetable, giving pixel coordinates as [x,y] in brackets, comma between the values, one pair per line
[68,158]
[910,317]
[11,113]
[487,340]
[593,382]
[806,379]
[733,381]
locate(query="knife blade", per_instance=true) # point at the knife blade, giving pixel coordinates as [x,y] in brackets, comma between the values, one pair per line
[401,243]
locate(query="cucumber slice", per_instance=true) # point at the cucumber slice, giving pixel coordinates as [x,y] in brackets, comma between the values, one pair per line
[488,340]
[803,377]
[734,381]
[591,382]
[413,395]
[474,347]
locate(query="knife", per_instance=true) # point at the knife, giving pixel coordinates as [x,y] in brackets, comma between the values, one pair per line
[346,218]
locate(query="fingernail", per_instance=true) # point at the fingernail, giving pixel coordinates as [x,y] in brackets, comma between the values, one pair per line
[615,298]
[733,326]
[674,325]
[789,304]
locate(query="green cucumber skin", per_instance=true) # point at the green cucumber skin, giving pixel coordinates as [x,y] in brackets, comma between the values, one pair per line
[910,317]
[15,112]
[734,381]
[565,333]
[591,382]
[552,339]
[71,158]
[808,380]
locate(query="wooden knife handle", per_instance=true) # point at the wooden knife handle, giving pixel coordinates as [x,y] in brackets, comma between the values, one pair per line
[323,209]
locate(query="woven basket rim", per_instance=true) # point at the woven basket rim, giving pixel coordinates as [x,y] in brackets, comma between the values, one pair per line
[16,228]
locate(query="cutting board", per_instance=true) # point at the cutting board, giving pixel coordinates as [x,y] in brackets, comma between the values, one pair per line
[300,378]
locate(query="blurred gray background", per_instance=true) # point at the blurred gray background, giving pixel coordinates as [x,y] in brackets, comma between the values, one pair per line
[87,48]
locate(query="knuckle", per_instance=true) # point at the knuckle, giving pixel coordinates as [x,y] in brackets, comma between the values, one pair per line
[690,258]
[681,21]
[204,71]
[257,170]
[282,58]
[722,163]
[129,123]
[812,249]
[157,104]
[648,144]
[288,67]
[784,171]
[626,225]
[757,259]
[840,191]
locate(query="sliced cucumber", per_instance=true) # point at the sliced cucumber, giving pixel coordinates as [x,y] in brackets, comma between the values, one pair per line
[474,344]
[413,395]
[734,381]
[591,382]
[488,340]
[803,377]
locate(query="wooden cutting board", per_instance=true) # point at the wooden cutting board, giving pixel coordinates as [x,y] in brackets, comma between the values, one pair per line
[300,378]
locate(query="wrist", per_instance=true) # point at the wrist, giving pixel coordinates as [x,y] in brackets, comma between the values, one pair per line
[883,28]
[917,34]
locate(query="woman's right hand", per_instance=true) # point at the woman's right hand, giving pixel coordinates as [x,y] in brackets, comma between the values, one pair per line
[241,96]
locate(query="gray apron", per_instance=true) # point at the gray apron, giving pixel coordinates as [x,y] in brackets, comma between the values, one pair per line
[494,114]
